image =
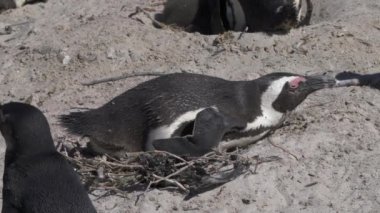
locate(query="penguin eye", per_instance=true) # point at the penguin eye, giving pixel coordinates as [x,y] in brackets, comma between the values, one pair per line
[292,87]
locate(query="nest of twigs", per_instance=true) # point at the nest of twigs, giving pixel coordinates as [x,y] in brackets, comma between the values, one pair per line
[157,169]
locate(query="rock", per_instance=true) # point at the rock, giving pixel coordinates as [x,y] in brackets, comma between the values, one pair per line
[246,201]
[64,57]
[111,53]
[5,29]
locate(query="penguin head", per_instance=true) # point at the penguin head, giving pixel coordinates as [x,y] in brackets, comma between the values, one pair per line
[25,129]
[285,91]
[280,15]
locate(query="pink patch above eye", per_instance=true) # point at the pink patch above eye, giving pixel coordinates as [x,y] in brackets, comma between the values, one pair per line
[295,83]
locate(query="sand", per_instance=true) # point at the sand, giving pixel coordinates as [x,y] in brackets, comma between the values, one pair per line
[334,134]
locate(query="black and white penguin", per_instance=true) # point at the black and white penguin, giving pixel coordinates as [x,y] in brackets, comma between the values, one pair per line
[10,4]
[36,177]
[217,16]
[190,114]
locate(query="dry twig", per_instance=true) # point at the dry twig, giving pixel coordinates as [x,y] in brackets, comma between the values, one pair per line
[282,148]
[124,76]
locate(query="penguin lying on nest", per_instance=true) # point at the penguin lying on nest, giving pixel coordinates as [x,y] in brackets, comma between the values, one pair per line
[10,4]
[36,177]
[217,16]
[191,114]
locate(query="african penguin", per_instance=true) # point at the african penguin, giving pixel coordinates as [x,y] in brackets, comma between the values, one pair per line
[36,177]
[190,114]
[9,4]
[218,16]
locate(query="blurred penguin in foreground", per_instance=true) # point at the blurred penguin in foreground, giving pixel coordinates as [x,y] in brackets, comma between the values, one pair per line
[37,179]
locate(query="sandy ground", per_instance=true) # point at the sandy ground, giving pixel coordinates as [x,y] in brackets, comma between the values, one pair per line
[335,133]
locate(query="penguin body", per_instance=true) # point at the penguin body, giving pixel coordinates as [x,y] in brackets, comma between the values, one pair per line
[190,108]
[36,177]
[218,16]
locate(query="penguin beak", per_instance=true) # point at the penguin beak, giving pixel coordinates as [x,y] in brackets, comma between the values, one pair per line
[317,82]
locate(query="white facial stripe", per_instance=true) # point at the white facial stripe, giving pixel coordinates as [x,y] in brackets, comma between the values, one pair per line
[270,117]
[19,3]
[166,131]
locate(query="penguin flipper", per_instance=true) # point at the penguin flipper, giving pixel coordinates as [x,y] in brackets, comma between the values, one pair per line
[233,15]
[209,128]
[178,146]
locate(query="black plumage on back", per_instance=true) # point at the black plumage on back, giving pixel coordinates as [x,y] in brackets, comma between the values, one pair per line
[36,177]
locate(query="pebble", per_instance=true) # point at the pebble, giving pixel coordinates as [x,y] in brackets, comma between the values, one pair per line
[5,29]
[111,53]
[64,57]
[88,56]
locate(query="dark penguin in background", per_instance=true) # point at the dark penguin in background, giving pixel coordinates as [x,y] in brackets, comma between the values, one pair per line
[10,4]
[217,16]
[354,79]
[37,179]
[204,16]
[190,114]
